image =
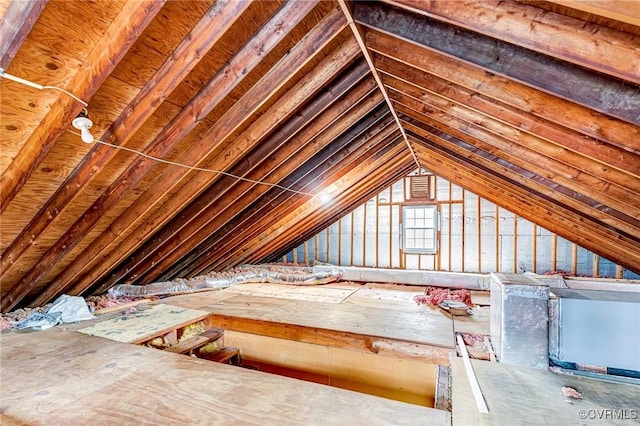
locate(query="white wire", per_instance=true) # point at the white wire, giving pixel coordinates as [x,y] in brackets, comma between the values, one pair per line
[200,169]
[67,93]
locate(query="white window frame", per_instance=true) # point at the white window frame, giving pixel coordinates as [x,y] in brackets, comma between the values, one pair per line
[427,231]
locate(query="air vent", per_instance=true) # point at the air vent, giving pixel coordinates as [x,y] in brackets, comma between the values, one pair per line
[420,187]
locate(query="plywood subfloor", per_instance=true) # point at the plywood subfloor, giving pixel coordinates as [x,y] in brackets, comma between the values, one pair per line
[523,396]
[144,323]
[386,311]
[64,377]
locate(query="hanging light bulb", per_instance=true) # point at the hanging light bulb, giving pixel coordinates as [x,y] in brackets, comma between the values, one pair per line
[83,123]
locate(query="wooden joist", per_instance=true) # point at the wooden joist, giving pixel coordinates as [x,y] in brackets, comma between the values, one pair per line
[332,146]
[224,151]
[272,161]
[513,93]
[194,342]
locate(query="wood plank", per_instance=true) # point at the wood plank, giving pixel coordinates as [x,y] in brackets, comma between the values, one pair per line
[144,324]
[104,57]
[203,36]
[620,10]
[585,87]
[195,342]
[388,167]
[508,389]
[130,383]
[589,45]
[17,20]
[325,151]
[296,209]
[432,89]
[276,200]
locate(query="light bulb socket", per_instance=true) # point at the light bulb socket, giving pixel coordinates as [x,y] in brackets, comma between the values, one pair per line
[83,123]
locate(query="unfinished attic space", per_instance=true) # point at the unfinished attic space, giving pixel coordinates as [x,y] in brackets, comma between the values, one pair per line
[303,212]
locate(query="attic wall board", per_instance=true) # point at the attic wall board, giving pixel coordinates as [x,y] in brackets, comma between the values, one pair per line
[475,236]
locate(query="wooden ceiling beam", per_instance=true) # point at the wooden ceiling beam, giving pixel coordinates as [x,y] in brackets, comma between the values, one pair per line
[172,72]
[531,181]
[562,166]
[606,94]
[357,186]
[272,204]
[17,21]
[522,97]
[224,152]
[172,134]
[226,250]
[259,165]
[500,190]
[124,30]
[609,52]
[419,84]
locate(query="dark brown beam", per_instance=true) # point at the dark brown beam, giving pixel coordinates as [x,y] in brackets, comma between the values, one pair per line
[281,206]
[608,95]
[172,72]
[273,202]
[495,187]
[501,89]
[433,87]
[125,29]
[19,17]
[535,176]
[597,181]
[358,186]
[590,45]
[322,219]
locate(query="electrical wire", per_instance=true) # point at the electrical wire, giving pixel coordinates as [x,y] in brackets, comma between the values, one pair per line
[67,93]
[37,86]
[199,169]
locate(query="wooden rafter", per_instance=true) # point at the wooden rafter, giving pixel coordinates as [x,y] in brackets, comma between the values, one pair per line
[17,21]
[603,93]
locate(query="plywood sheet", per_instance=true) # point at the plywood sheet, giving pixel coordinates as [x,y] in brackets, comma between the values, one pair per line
[283,291]
[62,377]
[523,396]
[477,323]
[387,296]
[144,324]
[421,326]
